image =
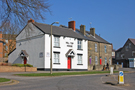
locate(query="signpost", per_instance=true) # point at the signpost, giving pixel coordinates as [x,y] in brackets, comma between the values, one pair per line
[121,77]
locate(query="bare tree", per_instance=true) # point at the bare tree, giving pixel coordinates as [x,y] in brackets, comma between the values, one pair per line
[19,11]
[9,37]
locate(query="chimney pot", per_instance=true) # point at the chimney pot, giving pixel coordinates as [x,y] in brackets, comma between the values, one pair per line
[92,31]
[31,20]
[71,24]
[82,29]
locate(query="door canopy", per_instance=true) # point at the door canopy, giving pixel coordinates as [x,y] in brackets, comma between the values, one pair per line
[70,53]
[23,53]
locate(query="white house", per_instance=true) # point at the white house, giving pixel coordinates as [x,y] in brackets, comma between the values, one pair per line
[69,48]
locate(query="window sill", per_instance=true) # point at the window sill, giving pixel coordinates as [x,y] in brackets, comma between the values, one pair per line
[57,63]
[56,47]
[80,49]
[79,64]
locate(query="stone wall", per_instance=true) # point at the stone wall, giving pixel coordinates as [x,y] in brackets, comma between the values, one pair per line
[100,67]
[17,69]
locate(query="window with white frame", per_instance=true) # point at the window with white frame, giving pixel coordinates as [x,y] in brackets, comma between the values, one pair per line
[79,44]
[96,61]
[105,61]
[79,59]
[56,57]
[105,49]
[133,53]
[56,41]
[95,47]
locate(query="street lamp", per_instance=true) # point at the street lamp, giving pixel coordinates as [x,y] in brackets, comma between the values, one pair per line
[51,47]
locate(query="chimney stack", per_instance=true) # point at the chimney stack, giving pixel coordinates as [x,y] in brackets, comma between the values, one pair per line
[92,31]
[71,24]
[31,20]
[82,29]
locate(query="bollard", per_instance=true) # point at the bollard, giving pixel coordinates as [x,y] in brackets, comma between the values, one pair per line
[121,77]
[111,70]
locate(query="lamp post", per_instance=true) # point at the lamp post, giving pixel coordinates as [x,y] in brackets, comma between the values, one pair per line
[51,48]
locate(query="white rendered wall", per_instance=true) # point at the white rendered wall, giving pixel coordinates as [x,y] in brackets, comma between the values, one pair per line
[33,43]
[63,50]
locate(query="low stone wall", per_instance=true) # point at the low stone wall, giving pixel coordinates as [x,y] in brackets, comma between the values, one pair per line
[17,69]
[100,67]
[117,66]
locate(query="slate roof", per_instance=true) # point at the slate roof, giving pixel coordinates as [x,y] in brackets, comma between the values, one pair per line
[132,40]
[68,32]
[90,37]
[119,49]
[60,31]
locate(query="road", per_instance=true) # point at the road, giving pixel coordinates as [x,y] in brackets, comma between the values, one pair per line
[86,82]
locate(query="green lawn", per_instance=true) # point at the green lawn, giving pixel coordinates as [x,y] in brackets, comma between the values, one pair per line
[4,80]
[65,73]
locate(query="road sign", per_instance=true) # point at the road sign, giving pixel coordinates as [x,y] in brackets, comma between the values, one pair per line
[121,77]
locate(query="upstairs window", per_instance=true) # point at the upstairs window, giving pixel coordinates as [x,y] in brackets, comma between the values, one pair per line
[95,47]
[57,41]
[129,45]
[105,49]
[79,44]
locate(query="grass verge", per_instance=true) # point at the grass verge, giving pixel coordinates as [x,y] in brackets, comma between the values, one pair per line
[65,73]
[4,80]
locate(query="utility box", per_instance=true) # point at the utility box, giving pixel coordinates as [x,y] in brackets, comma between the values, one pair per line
[121,77]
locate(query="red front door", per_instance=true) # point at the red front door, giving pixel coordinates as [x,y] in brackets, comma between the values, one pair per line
[100,61]
[69,63]
[25,60]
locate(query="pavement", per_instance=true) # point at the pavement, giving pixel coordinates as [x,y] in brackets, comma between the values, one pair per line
[106,79]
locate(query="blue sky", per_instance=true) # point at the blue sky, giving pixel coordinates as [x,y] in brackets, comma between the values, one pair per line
[114,20]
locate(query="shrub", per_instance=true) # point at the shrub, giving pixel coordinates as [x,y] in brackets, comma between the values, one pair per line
[22,65]
[28,65]
[18,65]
